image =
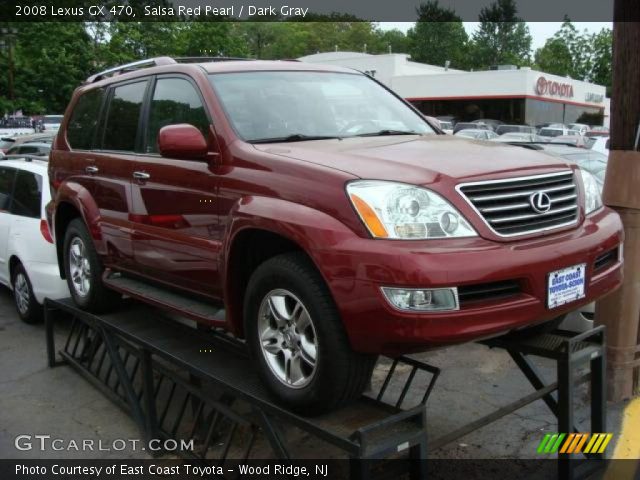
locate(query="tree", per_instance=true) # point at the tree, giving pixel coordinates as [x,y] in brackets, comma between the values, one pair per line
[502,37]
[438,36]
[554,57]
[51,59]
[601,65]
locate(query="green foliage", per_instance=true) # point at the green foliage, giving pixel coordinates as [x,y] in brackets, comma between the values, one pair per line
[579,55]
[438,36]
[554,57]
[502,37]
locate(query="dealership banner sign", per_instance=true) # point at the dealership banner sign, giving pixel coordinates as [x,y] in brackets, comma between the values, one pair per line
[553,88]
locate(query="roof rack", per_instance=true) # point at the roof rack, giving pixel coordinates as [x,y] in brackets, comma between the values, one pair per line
[128,67]
[209,59]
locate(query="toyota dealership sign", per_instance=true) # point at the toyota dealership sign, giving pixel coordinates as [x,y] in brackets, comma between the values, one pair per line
[552,88]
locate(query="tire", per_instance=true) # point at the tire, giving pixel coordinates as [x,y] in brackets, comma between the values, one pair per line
[285,287]
[84,269]
[29,310]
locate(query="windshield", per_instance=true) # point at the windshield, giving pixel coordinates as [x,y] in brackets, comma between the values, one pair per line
[295,106]
[6,143]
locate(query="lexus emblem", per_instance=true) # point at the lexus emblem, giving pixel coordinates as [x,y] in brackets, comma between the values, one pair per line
[540,202]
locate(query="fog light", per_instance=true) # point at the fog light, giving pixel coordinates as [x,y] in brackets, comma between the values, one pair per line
[422,299]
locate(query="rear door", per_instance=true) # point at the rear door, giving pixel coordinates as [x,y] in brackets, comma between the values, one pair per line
[174,201]
[108,167]
[7,180]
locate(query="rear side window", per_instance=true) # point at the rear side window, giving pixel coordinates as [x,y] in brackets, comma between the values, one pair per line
[84,120]
[7,176]
[27,196]
[121,126]
[175,100]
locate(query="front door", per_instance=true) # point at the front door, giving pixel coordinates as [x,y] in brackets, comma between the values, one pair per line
[174,210]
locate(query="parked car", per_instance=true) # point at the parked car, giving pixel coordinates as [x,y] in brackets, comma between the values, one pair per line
[598,131]
[581,128]
[556,132]
[574,140]
[601,145]
[447,127]
[235,185]
[7,142]
[28,260]
[448,118]
[518,137]
[477,134]
[30,148]
[492,124]
[502,129]
[469,125]
[51,123]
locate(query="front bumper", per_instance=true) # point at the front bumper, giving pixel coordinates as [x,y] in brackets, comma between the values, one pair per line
[356,269]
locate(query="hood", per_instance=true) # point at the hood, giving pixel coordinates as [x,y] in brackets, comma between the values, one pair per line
[419,160]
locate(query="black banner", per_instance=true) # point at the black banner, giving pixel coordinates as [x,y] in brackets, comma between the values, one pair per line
[299,10]
[438,469]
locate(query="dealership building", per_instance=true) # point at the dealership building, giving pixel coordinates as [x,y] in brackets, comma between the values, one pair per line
[511,94]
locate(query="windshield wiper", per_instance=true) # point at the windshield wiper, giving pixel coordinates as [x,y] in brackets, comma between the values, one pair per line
[382,133]
[296,137]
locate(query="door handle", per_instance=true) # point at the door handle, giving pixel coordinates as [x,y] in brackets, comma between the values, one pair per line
[91,170]
[141,175]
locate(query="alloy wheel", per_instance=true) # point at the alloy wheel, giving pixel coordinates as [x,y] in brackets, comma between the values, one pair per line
[287,338]
[79,267]
[21,293]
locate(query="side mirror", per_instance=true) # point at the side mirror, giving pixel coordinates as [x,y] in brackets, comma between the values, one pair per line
[182,141]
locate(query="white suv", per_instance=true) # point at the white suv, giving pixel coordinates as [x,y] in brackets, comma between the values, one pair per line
[28,262]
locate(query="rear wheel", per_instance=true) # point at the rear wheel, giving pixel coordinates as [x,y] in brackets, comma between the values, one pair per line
[29,310]
[84,270]
[296,336]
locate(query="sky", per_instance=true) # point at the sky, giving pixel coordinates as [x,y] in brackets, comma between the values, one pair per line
[540,31]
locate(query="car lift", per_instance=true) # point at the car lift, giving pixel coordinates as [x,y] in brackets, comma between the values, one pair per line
[155,368]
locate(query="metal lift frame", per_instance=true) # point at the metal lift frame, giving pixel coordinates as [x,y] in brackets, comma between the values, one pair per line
[144,361]
[130,358]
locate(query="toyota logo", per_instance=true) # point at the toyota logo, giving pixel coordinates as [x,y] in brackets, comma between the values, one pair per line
[540,202]
[542,86]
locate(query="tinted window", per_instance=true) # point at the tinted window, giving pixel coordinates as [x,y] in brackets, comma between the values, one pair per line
[28,194]
[122,120]
[175,100]
[6,187]
[84,120]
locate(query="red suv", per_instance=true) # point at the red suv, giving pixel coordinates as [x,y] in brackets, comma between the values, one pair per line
[327,217]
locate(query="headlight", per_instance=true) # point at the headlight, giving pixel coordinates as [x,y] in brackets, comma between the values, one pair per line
[396,210]
[592,198]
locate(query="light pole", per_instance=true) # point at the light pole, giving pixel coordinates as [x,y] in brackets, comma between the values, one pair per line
[7,40]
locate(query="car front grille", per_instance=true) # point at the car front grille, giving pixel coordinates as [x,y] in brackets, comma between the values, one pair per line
[509,206]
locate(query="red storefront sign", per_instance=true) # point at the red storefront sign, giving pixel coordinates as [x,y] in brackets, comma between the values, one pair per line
[552,88]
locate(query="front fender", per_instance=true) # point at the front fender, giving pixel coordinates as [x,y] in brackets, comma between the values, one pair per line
[318,234]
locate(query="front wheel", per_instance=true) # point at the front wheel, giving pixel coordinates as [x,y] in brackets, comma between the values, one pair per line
[83,270]
[296,336]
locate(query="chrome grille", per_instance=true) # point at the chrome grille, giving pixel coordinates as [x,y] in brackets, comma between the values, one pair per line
[507,206]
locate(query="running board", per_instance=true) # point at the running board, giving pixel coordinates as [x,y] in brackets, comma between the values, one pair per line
[198,310]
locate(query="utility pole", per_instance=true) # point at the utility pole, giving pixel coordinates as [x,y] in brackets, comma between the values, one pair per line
[620,311]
